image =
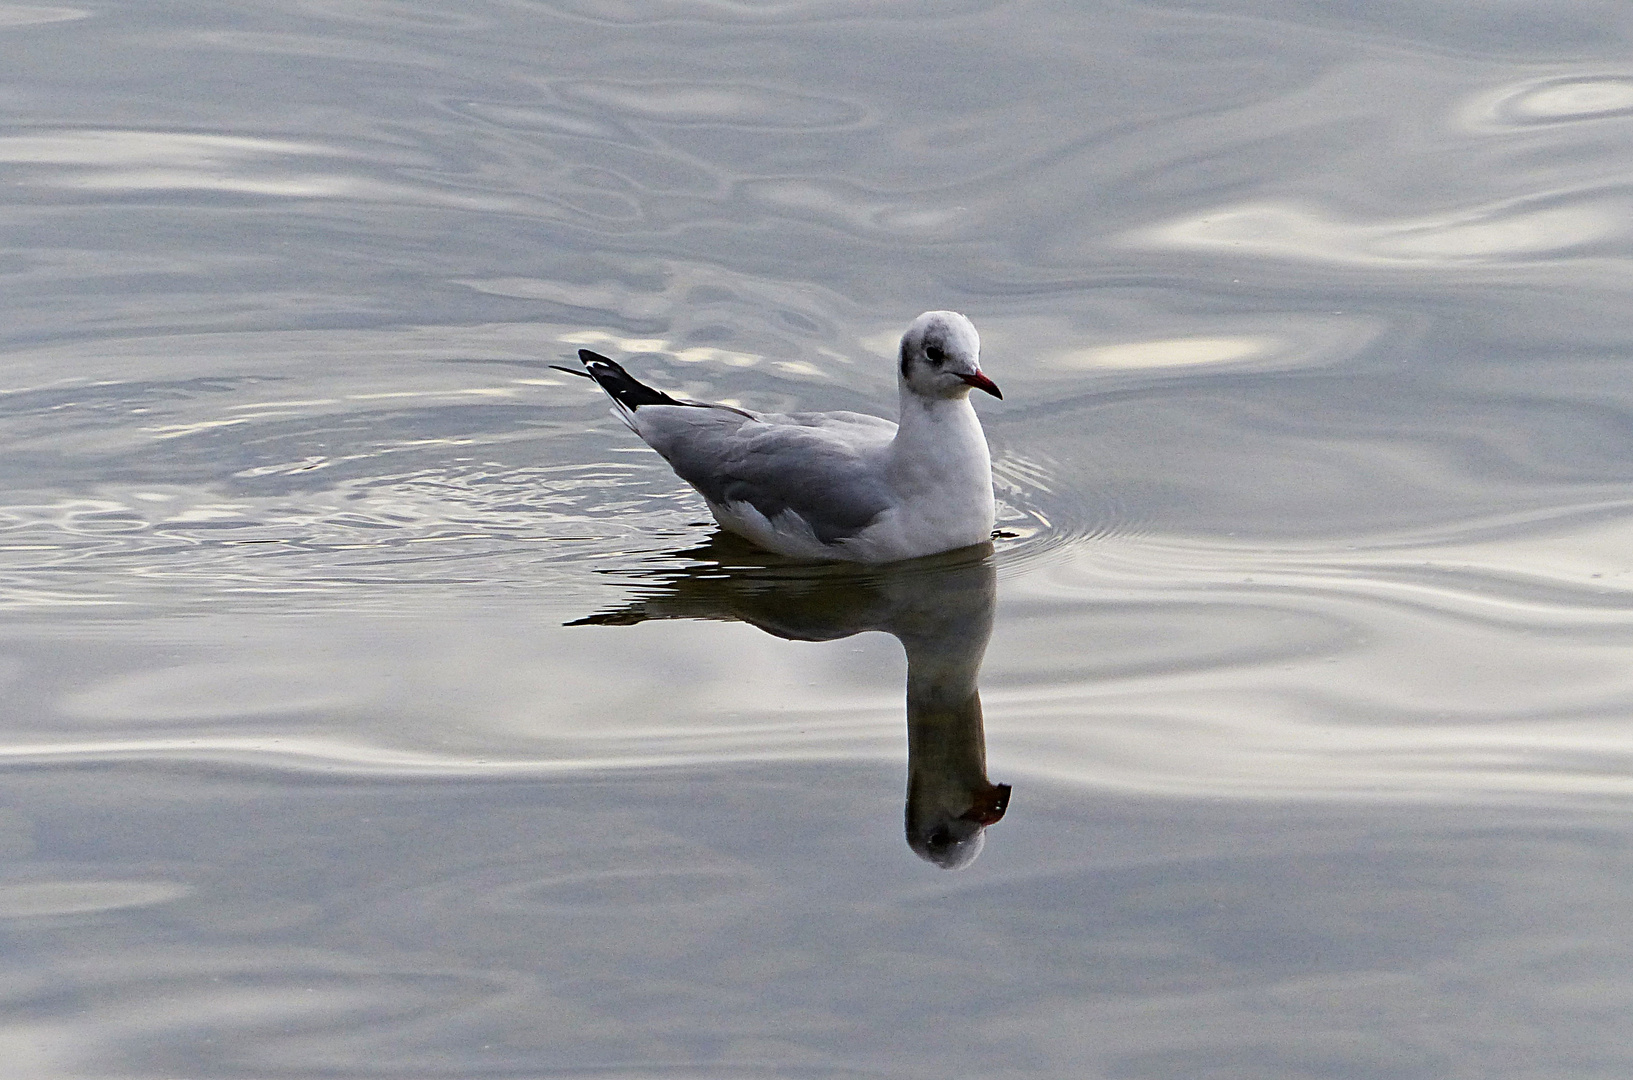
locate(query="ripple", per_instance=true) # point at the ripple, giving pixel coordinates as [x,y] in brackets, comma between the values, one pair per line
[114,148]
[1173,352]
[621,302]
[1486,667]
[459,526]
[1286,341]
[731,105]
[192,693]
[1512,232]
[529,116]
[190,1009]
[634,887]
[159,160]
[1035,525]
[1553,101]
[642,12]
[316,46]
[856,209]
[393,14]
[13,15]
[713,740]
[1453,670]
[139,161]
[36,898]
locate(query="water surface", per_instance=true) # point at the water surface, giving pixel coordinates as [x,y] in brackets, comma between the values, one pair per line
[374,705]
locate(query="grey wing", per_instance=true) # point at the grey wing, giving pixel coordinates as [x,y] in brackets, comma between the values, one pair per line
[827,473]
[845,425]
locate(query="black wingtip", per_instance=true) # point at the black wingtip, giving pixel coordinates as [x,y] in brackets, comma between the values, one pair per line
[620,385]
[609,618]
[573,371]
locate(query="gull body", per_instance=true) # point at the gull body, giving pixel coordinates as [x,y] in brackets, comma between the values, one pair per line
[839,485]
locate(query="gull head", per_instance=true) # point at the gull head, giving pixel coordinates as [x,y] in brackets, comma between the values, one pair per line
[941,357]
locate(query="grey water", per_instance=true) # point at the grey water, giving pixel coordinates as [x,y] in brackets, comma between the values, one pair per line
[372,704]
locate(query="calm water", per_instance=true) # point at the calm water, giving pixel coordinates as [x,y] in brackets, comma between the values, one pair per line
[374,705]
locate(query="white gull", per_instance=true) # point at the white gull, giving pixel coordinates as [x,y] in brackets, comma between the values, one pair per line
[838,485]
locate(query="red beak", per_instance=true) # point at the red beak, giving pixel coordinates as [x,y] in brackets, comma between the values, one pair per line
[981,382]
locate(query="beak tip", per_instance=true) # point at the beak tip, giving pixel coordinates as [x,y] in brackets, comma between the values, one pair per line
[980,382]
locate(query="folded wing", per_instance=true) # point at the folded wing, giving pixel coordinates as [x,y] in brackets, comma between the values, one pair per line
[822,467]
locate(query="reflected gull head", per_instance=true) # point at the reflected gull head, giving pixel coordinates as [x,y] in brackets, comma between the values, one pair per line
[836,486]
[952,839]
[939,608]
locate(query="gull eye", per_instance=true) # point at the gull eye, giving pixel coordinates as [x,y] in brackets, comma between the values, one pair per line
[934,354]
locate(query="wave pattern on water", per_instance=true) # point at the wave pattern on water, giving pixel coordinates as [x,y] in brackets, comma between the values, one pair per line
[1479,667]
[1489,668]
[1590,223]
[1557,100]
[462,525]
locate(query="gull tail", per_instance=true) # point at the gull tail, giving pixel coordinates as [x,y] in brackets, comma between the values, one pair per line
[625,389]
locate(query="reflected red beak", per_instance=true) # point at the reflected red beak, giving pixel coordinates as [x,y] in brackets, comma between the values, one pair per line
[981,382]
[989,805]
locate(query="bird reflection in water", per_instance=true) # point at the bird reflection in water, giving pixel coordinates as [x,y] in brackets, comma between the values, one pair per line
[940,608]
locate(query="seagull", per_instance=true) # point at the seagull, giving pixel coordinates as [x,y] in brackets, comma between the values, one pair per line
[836,486]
